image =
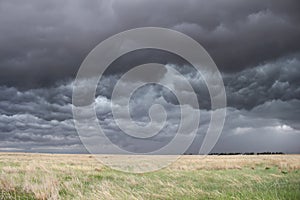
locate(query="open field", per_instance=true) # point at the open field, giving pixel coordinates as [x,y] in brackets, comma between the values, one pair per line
[53,176]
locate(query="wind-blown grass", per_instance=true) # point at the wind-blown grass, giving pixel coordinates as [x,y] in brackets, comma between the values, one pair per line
[47,176]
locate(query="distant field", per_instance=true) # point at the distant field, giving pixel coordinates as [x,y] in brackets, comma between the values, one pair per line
[52,176]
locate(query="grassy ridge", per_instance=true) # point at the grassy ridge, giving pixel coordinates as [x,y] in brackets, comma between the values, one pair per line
[38,176]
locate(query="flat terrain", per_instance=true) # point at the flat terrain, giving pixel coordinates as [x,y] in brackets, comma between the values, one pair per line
[53,176]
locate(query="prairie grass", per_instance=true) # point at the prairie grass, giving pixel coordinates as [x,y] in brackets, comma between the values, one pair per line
[53,176]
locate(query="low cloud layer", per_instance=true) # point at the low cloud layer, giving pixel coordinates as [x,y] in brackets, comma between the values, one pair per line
[262,114]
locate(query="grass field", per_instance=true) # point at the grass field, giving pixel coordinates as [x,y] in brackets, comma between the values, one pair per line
[52,176]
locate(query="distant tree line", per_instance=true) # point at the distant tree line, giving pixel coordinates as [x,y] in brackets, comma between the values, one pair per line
[246,153]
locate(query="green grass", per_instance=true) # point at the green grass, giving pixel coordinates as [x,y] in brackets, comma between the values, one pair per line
[42,180]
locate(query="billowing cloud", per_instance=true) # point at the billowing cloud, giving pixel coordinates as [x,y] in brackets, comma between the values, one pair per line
[42,118]
[255,44]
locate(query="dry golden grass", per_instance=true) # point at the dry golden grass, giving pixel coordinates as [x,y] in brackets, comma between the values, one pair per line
[59,176]
[289,162]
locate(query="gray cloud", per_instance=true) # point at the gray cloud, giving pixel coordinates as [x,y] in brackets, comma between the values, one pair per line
[254,43]
[275,80]
[248,131]
[43,42]
[42,119]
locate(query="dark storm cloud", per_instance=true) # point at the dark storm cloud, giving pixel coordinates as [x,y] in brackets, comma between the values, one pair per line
[45,41]
[53,103]
[25,131]
[42,119]
[254,43]
[42,42]
[236,33]
[274,80]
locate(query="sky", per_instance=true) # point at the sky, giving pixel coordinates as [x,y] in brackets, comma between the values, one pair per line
[255,45]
